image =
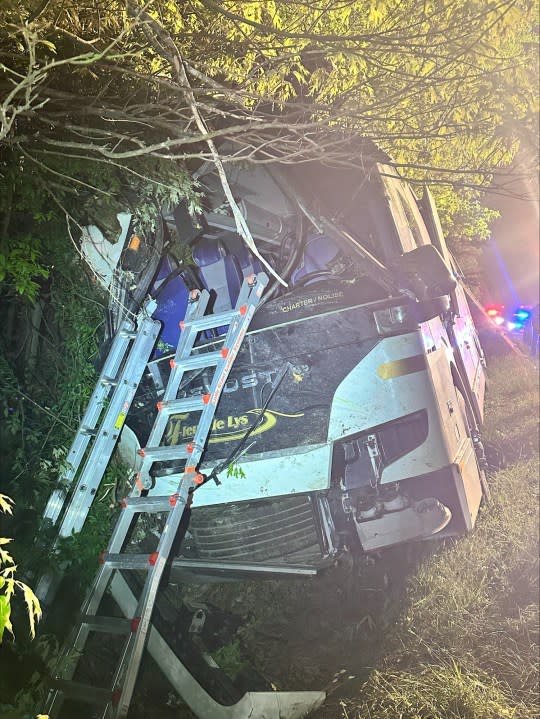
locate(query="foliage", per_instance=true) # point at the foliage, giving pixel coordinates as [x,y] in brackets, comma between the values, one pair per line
[96,119]
[433,82]
[54,396]
[55,196]
[447,692]
[21,682]
[229,658]
[41,404]
[20,264]
[79,554]
[9,584]
[469,600]
[463,217]
[235,471]
[97,112]
[515,383]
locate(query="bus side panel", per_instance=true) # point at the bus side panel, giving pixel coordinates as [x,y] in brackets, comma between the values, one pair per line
[389,383]
[468,346]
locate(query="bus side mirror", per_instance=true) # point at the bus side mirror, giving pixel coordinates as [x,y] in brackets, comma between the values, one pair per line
[424,272]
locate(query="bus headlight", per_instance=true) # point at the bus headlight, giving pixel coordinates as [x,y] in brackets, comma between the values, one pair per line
[392,319]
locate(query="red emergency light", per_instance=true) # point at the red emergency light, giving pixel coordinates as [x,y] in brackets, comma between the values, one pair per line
[495,313]
[494,310]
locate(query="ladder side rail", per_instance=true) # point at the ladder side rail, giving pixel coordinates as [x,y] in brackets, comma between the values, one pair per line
[145,606]
[127,675]
[109,430]
[74,646]
[195,323]
[247,302]
[248,298]
[90,477]
[196,309]
[89,420]
[177,373]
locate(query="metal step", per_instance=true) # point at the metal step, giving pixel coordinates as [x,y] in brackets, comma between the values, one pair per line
[247,569]
[107,625]
[165,453]
[150,504]
[187,404]
[207,359]
[129,561]
[83,692]
[210,322]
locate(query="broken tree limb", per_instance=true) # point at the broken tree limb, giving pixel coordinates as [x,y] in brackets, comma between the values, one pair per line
[162,42]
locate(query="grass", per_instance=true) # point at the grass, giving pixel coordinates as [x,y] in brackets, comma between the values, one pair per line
[512,408]
[467,643]
[435,691]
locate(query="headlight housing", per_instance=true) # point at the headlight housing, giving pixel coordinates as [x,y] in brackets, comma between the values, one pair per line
[392,319]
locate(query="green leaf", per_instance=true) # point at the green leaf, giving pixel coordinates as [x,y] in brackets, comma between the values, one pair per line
[5,557]
[48,44]
[33,607]
[6,504]
[5,613]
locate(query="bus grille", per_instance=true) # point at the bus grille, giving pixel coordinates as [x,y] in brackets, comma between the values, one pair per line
[283,528]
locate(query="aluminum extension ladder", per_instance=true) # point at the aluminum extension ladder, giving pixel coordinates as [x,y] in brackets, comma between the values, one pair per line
[114,391]
[113,702]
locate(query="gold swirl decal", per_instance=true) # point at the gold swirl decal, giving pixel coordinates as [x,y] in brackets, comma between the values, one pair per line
[228,429]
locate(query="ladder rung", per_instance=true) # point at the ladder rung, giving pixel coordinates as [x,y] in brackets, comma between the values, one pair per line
[211,321]
[207,359]
[130,334]
[107,625]
[109,381]
[150,504]
[83,692]
[88,431]
[165,453]
[128,561]
[186,404]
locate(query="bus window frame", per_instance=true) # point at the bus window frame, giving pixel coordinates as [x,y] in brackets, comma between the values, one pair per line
[410,227]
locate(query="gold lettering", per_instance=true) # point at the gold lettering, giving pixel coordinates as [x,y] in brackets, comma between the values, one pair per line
[173,431]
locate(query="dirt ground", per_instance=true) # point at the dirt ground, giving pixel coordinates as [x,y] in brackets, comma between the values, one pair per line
[322,633]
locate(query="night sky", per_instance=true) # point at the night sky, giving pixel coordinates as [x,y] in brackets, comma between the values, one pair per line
[511,257]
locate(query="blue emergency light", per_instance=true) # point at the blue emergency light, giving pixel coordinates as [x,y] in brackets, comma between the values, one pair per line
[522,314]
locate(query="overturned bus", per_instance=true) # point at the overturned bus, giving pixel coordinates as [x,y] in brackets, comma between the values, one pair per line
[350,420]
